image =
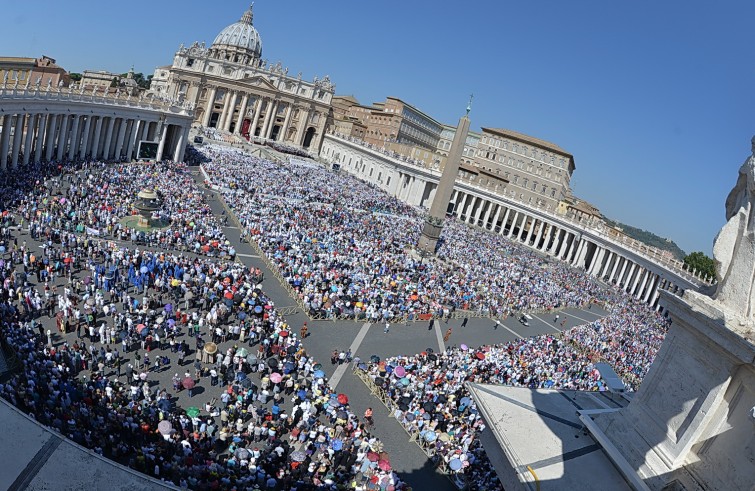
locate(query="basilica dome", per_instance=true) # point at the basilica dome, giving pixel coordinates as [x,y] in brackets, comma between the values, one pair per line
[240,36]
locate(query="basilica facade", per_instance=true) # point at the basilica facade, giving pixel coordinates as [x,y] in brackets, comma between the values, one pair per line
[235,90]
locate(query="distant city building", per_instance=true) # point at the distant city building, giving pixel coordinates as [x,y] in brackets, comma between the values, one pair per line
[236,91]
[20,72]
[447,136]
[538,171]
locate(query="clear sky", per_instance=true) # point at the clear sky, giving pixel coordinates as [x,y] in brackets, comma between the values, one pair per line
[651,97]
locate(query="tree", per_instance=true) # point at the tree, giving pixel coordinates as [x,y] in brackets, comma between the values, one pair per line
[115,82]
[701,263]
[75,77]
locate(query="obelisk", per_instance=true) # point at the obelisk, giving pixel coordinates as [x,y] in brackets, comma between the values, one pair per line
[434,221]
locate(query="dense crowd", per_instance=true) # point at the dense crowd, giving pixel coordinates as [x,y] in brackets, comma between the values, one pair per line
[346,247]
[430,399]
[277,424]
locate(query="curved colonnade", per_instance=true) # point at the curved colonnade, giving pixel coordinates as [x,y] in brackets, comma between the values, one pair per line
[56,124]
[637,269]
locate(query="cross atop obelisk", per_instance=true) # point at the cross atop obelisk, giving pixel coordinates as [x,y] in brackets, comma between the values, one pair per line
[433,226]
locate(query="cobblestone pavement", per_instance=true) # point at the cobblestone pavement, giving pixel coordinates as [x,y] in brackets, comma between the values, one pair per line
[364,339]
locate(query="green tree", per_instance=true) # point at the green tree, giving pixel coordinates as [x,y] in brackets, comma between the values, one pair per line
[698,261]
[75,77]
[115,82]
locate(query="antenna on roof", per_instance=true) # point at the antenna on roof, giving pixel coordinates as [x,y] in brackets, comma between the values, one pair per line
[469,106]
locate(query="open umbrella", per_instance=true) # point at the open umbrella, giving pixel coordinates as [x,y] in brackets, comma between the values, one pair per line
[288,367]
[241,453]
[258,309]
[317,366]
[465,401]
[164,405]
[454,464]
[410,416]
[384,465]
[251,359]
[140,328]
[336,444]
[428,406]
[318,374]
[90,301]
[375,359]
[464,347]
[276,377]
[298,456]
[272,363]
[242,352]
[431,436]
[165,427]
[192,411]
[373,456]
[399,371]
[480,356]
[283,334]
[188,383]
[432,356]
[404,381]
[342,414]
[343,399]
[444,437]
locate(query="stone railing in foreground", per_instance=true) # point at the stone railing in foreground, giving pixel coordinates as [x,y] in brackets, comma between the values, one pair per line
[65,94]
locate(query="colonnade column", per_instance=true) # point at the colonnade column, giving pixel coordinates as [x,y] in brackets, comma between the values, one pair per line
[488,211]
[178,154]
[62,137]
[119,141]
[50,137]
[210,107]
[547,238]
[496,217]
[17,134]
[505,220]
[96,138]
[539,234]
[135,129]
[161,145]
[74,132]
[553,249]
[651,287]
[636,291]
[513,224]
[85,137]
[628,279]
[41,130]
[231,110]
[4,141]
[564,244]
[108,138]
[521,227]
[30,125]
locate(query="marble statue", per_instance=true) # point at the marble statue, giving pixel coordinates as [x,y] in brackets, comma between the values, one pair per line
[734,247]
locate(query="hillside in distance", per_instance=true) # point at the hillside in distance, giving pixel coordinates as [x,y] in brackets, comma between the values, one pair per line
[649,238]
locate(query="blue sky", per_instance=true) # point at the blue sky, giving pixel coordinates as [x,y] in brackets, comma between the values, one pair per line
[652,98]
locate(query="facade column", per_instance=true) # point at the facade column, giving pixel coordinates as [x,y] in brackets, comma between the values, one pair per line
[579,260]
[271,120]
[651,287]
[460,209]
[210,107]
[119,141]
[302,130]
[505,220]
[161,145]
[604,269]
[571,251]
[513,224]
[255,120]
[41,131]
[286,121]
[74,137]
[179,145]
[620,278]
[242,114]
[480,207]
[135,129]
[17,134]
[85,137]
[231,110]
[224,112]
[470,209]
[50,138]
[30,124]
[597,260]
[108,138]
[266,120]
[96,138]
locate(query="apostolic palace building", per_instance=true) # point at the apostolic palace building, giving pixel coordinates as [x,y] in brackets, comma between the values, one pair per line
[234,89]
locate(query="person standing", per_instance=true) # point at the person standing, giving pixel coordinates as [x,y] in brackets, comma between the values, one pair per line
[387,327]
[464,322]
[447,335]
[431,325]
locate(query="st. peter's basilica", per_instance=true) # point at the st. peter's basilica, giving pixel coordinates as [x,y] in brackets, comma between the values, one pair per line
[235,90]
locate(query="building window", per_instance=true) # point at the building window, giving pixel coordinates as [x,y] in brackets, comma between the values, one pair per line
[526,181]
[190,62]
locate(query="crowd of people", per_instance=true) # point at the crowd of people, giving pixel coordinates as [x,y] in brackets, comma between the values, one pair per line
[347,248]
[135,312]
[170,300]
[430,399]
